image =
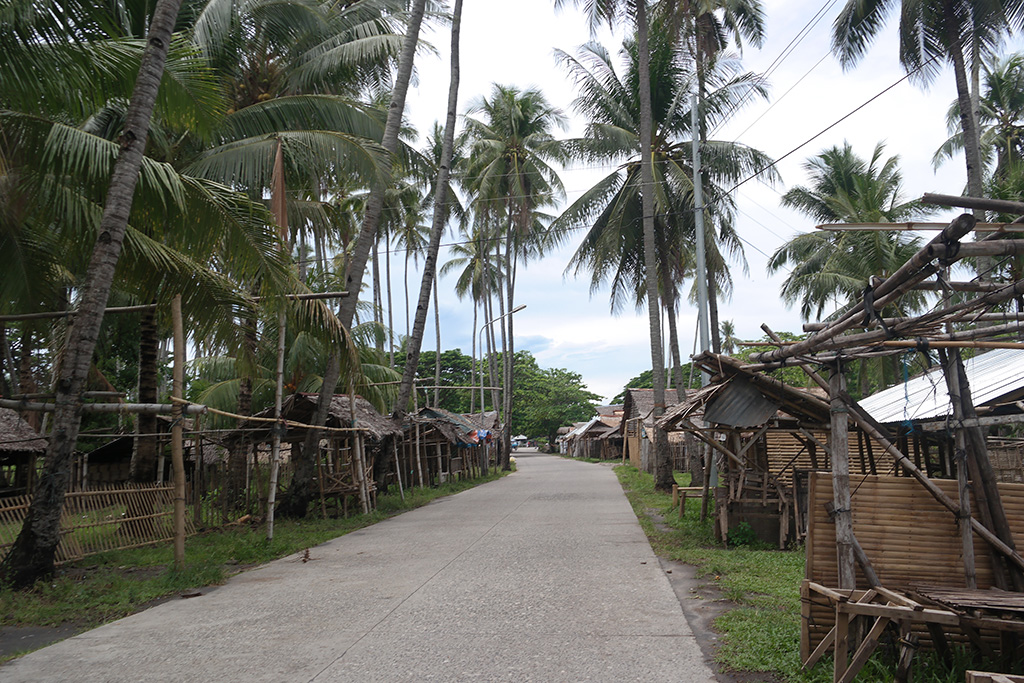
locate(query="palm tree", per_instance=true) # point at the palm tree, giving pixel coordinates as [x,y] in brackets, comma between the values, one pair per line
[833,267]
[930,33]
[475,277]
[729,340]
[510,177]
[33,552]
[611,251]
[1001,121]
[609,12]
[710,26]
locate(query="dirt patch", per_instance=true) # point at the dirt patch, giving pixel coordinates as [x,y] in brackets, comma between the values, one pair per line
[702,602]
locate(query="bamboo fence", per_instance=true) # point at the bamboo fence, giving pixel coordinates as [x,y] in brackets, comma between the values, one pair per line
[103,519]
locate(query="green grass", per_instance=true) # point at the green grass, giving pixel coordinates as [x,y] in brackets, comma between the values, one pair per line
[762,633]
[111,585]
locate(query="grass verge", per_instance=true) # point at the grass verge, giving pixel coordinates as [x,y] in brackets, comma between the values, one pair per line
[105,587]
[762,633]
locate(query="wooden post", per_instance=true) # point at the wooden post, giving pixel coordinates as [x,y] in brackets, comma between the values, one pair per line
[275,442]
[177,457]
[706,493]
[360,464]
[960,458]
[398,468]
[839,446]
[983,475]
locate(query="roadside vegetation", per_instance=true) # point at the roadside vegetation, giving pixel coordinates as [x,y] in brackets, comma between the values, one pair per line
[761,633]
[102,588]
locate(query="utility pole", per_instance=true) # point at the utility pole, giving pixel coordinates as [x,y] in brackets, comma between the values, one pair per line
[698,213]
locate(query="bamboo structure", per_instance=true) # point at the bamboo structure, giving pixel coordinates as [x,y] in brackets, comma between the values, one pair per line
[975,501]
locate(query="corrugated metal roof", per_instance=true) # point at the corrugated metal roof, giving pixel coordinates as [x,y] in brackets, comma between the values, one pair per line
[993,376]
[739,404]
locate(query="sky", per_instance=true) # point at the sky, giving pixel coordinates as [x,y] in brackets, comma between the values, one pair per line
[513,43]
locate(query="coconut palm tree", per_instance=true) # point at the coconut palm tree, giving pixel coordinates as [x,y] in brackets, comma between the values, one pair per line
[610,12]
[33,552]
[931,33]
[833,267]
[707,28]
[611,252]
[510,149]
[1001,121]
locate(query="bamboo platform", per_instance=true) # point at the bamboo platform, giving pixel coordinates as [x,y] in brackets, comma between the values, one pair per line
[969,611]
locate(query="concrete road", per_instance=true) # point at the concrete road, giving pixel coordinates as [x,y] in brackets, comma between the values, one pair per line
[544,575]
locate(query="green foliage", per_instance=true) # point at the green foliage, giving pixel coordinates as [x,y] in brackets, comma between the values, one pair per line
[543,400]
[741,535]
[546,399]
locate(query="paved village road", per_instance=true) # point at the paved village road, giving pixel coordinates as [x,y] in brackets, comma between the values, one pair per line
[544,575]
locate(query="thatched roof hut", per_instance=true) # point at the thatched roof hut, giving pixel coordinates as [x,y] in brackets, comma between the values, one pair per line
[343,413]
[17,438]
[20,445]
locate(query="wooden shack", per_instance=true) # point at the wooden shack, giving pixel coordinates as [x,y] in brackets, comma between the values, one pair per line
[354,450]
[439,445]
[20,447]
[638,420]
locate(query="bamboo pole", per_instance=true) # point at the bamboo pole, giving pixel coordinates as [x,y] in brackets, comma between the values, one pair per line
[982,317]
[278,206]
[177,456]
[876,337]
[275,439]
[1000,205]
[398,468]
[129,408]
[908,274]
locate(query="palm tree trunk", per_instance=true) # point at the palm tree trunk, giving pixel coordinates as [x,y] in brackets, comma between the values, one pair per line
[408,327]
[412,354]
[391,317]
[146,453]
[375,202]
[509,350]
[378,305]
[662,461]
[492,357]
[669,289]
[972,151]
[33,552]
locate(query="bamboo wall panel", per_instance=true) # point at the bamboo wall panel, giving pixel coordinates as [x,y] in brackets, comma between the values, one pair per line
[102,519]
[909,537]
[786,452]
[1007,458]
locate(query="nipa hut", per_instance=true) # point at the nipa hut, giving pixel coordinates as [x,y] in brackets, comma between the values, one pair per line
[766,436]
[355,449]
[638,421]
[439,445]
[20,446]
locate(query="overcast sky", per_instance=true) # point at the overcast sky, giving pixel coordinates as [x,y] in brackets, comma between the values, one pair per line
[513,43]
